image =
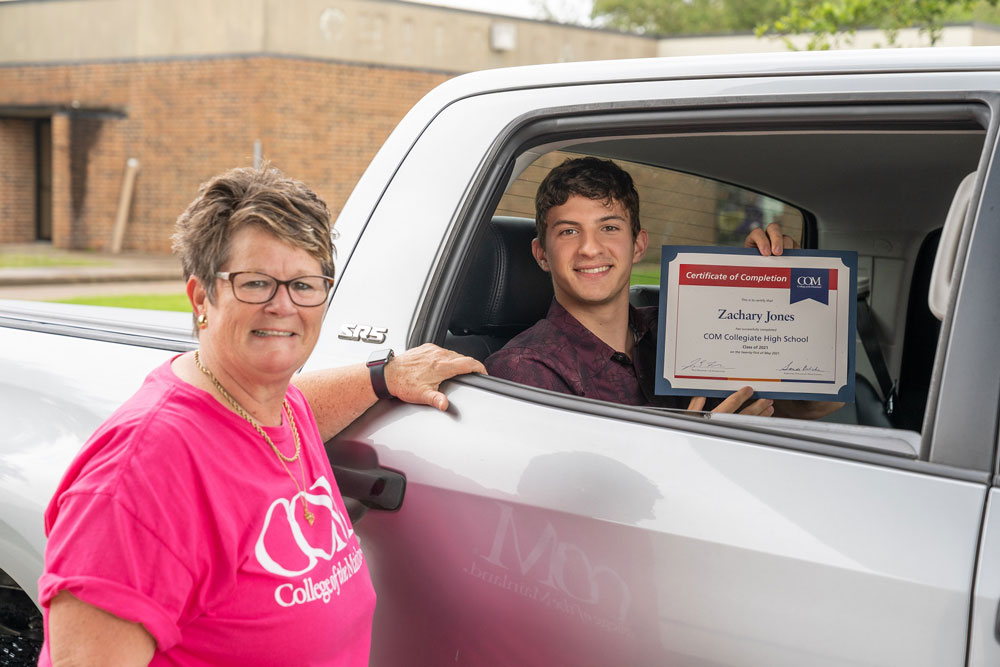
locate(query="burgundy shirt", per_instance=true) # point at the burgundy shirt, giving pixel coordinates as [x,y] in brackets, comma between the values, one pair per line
[560,354]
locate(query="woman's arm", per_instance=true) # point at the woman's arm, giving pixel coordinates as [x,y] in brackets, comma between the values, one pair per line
[338,396]
[81,635]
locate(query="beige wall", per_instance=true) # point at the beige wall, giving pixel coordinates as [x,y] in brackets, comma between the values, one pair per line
[384,32]
[380,32]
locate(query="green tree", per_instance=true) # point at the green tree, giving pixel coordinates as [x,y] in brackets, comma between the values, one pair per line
[686,16]
[827,22]
[831,21]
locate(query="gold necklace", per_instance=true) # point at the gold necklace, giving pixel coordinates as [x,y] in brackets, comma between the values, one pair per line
[282,459]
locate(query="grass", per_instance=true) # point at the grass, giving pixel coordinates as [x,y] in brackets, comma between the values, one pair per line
[173,302]
[645,274]
[30,260]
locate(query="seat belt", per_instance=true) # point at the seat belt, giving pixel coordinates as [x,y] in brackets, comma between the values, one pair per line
[869,338]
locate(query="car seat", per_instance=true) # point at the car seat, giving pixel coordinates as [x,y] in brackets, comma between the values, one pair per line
[504,293]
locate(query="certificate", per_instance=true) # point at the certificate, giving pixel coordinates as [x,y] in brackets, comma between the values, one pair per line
[782,325]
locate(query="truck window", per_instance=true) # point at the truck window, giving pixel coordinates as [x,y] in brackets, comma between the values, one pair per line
[882,192]
[677,208]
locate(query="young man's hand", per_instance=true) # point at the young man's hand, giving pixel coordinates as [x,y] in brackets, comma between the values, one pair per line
[762,407]
[770,241]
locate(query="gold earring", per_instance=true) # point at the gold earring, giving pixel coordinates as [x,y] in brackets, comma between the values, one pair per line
[202,321]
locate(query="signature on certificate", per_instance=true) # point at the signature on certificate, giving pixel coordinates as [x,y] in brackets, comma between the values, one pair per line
[699,364]
[805,368]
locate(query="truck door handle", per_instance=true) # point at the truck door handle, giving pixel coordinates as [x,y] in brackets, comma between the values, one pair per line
[363,483]
[996,626]
[376,488]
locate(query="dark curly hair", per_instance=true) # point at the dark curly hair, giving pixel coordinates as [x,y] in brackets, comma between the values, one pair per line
[588,177]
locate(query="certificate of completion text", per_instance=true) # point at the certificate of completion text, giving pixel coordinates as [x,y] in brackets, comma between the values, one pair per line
[783,325]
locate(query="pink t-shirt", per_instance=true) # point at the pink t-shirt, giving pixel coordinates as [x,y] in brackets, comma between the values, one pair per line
[178,515]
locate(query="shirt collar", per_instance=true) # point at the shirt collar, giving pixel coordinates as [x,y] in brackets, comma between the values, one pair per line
[589,347]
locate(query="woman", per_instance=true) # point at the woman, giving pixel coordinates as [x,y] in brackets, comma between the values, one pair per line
[201,524]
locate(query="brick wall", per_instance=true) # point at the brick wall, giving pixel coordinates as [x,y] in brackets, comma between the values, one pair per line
[17,180]
[188,119]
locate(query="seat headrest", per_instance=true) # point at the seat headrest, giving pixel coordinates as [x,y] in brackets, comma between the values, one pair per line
[947,252]
[642,296]
[505,291]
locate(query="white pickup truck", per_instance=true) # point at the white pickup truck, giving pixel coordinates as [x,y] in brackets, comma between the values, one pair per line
[529,527]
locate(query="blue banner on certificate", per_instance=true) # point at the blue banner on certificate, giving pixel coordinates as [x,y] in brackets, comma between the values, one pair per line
[782,325]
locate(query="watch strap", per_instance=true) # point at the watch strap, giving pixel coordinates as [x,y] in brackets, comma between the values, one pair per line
[376,371]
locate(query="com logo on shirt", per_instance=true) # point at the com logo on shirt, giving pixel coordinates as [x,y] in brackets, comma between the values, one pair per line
[288,546]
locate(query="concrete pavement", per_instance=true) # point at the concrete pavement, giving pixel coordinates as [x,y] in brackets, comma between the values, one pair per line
[92,274]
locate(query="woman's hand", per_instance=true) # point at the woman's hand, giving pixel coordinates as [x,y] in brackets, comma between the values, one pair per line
[415,375]
[338,396]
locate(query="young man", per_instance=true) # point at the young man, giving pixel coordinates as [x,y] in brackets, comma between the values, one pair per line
[593,343]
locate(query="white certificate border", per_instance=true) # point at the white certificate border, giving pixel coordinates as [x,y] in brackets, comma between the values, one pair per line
[844,393]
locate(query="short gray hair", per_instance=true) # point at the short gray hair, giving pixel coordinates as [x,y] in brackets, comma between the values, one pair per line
[250,196]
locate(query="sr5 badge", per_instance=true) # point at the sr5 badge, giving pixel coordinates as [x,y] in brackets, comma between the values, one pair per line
[363,333]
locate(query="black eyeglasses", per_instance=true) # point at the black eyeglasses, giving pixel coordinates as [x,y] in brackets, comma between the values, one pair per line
[253,287]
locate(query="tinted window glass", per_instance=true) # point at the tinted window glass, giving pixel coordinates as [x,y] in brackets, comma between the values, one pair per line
[676,209]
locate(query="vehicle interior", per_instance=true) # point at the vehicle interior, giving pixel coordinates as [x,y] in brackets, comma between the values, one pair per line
[879,181]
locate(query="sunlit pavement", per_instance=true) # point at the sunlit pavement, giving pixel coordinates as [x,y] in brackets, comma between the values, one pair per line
[52,292]
[103,273]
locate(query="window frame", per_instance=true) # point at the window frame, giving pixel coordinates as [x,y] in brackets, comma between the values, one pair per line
[567,126]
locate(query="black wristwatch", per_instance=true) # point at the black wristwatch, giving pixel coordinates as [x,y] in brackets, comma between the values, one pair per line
[376,369]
